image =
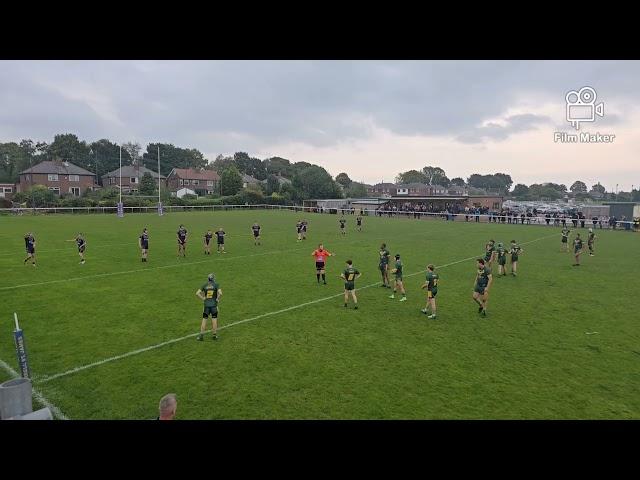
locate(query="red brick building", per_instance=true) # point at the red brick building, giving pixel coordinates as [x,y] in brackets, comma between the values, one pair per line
[131,178]
[60,177]
[203,182]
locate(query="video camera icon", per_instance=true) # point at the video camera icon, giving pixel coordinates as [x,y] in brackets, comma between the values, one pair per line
[581,106]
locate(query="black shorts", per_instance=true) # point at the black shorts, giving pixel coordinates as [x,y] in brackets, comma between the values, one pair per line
[145,246]
[213,311]
[31,250]
[206,241]
[220,242]
[182,241]
[564,239]
[256,234]
[319,265]
[81,249]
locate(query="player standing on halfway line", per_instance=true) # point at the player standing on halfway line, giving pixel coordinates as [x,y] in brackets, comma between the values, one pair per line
[299,230]
[342,225]
[502,259]
[481,286]
[359,223]
[220,235]
[207,242]
[81,243]
[397,271]
[565,239]
[182,240]
[515,251]
[350,275]
[143,241]
[30,246]
[255,228]
[210,294]
[320,255]
[431,284]
[590,239]
[577,249]
[384,265]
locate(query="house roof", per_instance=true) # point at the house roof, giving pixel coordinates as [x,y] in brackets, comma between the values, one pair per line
[383,185]
[413,185]
[249,179]
[193,174]
[61,168]
[133,171]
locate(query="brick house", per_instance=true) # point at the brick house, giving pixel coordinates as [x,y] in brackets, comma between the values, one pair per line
[7,190]
[131,178]
[60,177]
[382,189]
[203,182]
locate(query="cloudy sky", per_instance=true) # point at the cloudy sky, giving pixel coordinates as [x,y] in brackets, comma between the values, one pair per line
[371,119]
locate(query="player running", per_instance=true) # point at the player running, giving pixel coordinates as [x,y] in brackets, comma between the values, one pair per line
[343,222]
[220,235]
[490,252]
[565,239]
[577,249]
[81,243]
[143,241]
[483,282]
[210,294]
[398,280]
[359,222]
[320,255]
[501,253]
[182,240]
[515,251]
[350,275]
[207,242]
[30,246]
[384,265]
[255,228]
[299,230]
[431,284]
[590,240]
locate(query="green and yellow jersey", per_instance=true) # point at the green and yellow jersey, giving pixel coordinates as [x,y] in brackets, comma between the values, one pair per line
[210,291]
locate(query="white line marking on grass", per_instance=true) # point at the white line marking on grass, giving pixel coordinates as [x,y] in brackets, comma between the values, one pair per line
[174,265]
[269,314]
[36,393]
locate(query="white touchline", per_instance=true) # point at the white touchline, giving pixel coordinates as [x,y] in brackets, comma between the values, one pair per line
[36,393]
[269,314]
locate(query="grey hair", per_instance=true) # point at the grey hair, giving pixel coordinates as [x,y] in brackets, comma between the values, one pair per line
[167,402]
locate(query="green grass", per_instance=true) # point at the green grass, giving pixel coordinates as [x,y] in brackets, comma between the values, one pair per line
[530,358]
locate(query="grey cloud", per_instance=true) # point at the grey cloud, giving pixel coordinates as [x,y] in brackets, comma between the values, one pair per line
[268,102]
[493,131]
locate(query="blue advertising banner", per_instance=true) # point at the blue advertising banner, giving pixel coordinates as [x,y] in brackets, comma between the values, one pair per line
[120,209]
[21,351]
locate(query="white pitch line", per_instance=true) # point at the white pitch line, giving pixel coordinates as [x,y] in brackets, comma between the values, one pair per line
[36,393]
[269,314]
[109,274]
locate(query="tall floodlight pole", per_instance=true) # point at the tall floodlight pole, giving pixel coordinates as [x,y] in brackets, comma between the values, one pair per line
[120,174]
[158,173]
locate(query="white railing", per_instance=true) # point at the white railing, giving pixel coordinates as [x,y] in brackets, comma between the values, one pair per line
[465,217]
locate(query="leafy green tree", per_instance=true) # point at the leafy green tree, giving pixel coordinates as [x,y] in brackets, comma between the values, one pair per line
[172,157]
[105,156]
[503,181]
[458,182]
[231,181]
[520,190]
[578,187]
[40,196]
[278,166]
[147,185]
[221,163]
[598,188]
[69,148]
[412,176]
[314,182]
[273,185]
[435,176]
[356,190]
[13,160]
[343,179]
[635,195]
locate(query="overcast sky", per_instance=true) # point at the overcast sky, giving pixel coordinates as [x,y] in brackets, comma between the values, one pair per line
[371,119]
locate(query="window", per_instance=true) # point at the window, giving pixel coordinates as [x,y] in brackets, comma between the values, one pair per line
[209,183]
[74,178]
[55,189]
[74,191]
[53,177]
[195,182]
[209,192]
[133,179]
[112,180]
[8,189]
[181,182]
